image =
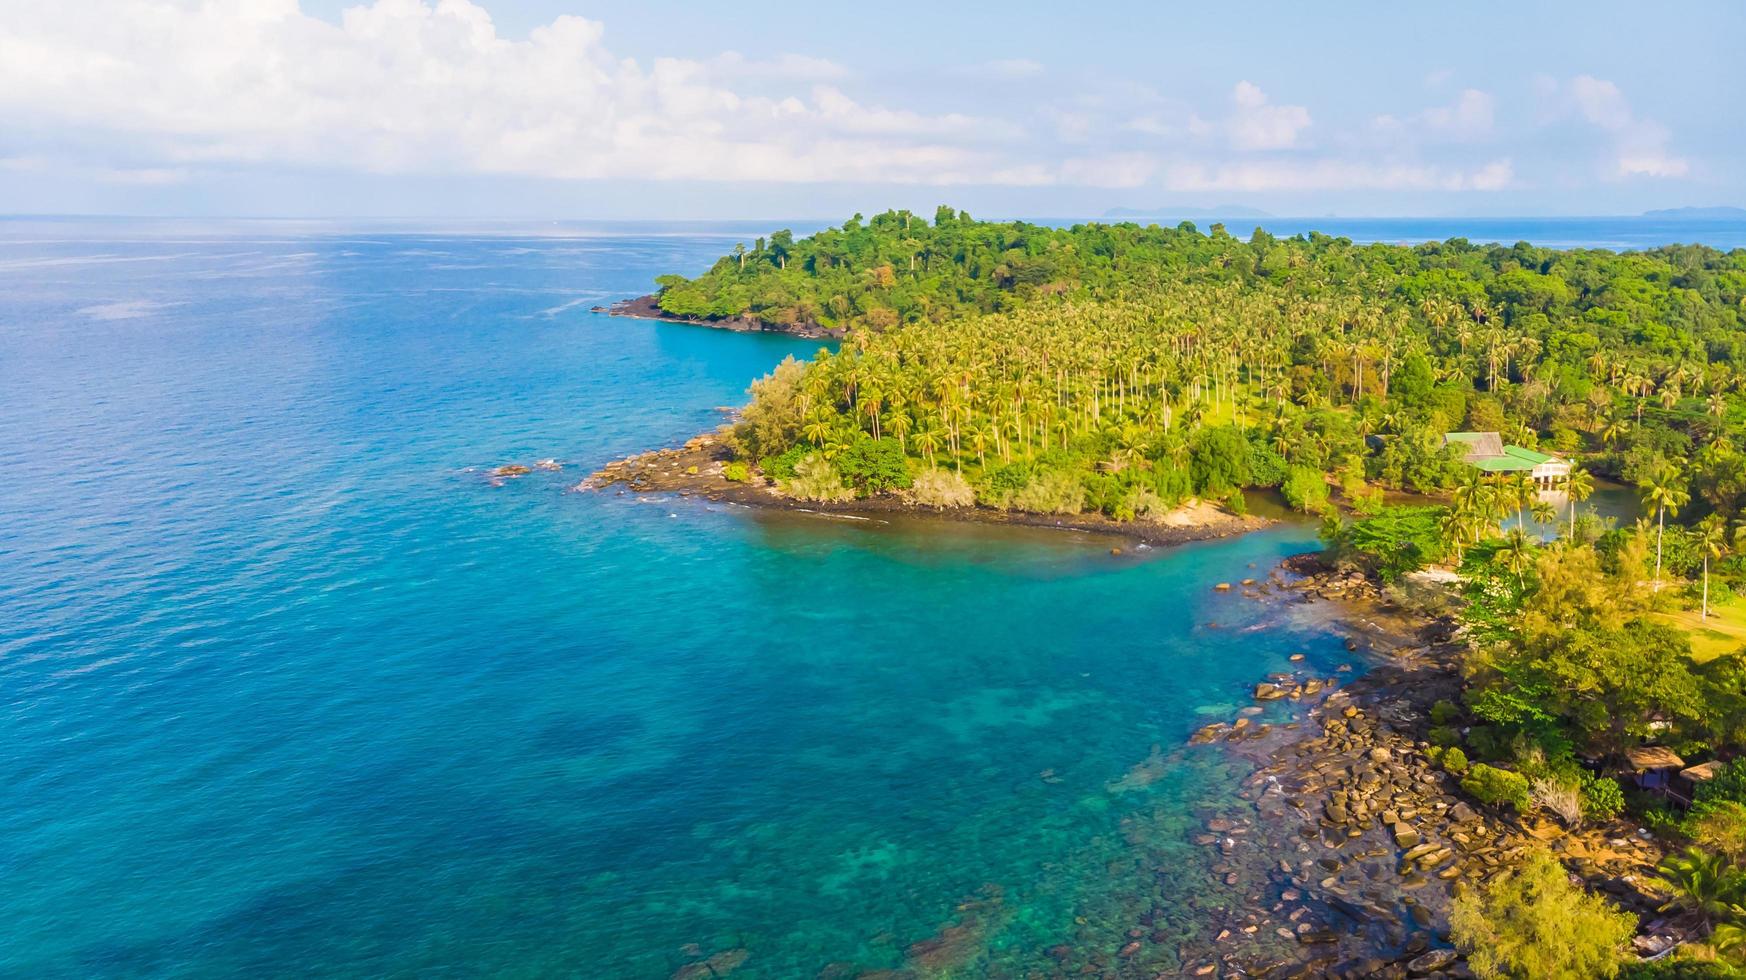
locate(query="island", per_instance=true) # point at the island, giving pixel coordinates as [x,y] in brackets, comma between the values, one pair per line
[1574,697]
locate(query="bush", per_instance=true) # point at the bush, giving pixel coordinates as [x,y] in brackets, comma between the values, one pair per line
[736,471]
[1678,968]
[1602,799]
[1444,735]
[1562,797]
[1219,460]
[874,465]
[1445,712]
[1051,492]
[816,479]
[1496,787]
[1719,825]
[1532,922]
[1729,784]
[1266,467]
[941,488]
[1454,761]
[1305,490]
[1395,541]
[781,467]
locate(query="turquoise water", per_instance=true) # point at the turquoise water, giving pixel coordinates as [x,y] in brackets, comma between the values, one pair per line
[290,687]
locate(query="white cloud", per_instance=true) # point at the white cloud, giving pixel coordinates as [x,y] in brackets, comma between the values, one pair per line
[406,85]
[1469,116]
[1335,175]
[163,91]
[1639,145]
[1259,125]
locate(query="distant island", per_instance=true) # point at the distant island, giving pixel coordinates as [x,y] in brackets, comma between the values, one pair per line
[1135,378]
[1717,212]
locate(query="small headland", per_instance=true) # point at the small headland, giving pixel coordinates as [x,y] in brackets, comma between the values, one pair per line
[649,308]
[697,469]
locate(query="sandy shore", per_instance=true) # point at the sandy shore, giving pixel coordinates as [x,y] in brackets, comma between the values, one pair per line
[695,470]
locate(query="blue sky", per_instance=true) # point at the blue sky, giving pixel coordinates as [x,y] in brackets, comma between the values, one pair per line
[667,110]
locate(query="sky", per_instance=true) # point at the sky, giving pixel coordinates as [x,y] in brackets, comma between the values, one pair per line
[666,110]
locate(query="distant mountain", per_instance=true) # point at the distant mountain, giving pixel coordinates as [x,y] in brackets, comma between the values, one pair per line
[1220,211]
[1715,212]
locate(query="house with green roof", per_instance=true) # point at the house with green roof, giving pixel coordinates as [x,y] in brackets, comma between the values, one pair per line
[1488,452]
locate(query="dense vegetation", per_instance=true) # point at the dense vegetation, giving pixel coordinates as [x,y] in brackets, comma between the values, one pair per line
[1123,370]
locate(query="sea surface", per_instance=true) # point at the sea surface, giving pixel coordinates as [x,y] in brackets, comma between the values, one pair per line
[290,686]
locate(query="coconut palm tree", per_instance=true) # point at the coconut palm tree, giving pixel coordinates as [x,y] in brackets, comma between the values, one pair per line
[1665,491]
[1544,514]
[1578,485]
[1517,553]
[1712,542]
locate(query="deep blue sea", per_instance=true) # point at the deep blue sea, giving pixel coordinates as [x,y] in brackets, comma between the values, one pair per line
[288,686]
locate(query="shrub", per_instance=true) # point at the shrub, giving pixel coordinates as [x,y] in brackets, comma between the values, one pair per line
[1496,787]
[1395,541]
[1305,490]
[1561,797]
[816,479]
[1444,735]
[1266,467]
[1172,483]
[1454,761]
[874,465]
[1051,492]
[1445,712]
[1719,825]
[1602,799]
[781,467]
[1728,784]
[1145,502]
[1532,922]
[1219,459]
[736,471]
[941,488]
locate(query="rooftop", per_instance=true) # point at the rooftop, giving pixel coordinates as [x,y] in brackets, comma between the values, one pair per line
[1487,451]
[1643,757]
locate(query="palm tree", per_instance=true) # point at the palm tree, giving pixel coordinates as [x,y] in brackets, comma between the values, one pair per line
[1544,514]
[1578,485]
[1712,541]
[928,441]
[1703,882]
[1665,491]
[1517,553]
[817,430]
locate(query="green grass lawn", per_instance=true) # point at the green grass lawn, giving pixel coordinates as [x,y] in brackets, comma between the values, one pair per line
[1723,633]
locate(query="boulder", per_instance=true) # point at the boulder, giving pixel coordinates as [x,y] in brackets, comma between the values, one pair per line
[1431,962]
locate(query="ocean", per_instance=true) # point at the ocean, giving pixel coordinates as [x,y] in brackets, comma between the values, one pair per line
[290,686]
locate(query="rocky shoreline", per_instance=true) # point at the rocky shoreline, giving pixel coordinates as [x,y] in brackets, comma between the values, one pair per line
[1349,844]
[1346,846]
[649,308]
[696,470]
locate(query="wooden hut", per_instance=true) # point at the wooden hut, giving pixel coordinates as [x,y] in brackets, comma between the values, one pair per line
[1653,767]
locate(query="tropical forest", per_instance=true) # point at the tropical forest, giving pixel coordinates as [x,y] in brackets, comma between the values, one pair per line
[1125,371]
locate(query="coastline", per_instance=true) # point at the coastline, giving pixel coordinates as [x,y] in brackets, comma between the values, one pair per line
[695,470]
[1347,845]
[649,308]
